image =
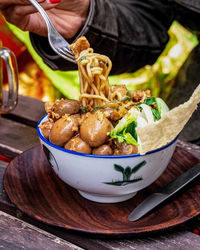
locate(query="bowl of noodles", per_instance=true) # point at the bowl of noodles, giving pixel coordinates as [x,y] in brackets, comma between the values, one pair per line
[112,142]
[109,173]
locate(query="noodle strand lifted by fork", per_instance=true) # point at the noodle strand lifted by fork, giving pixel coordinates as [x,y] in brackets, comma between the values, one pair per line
[93,73]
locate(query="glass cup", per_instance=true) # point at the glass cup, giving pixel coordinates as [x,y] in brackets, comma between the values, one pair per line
[8,99]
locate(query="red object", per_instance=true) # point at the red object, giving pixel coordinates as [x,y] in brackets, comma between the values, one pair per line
[9,40]
[4,158]
[196,231]
[54,1]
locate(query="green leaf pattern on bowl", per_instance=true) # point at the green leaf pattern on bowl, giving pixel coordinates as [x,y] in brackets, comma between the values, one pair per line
[127,172]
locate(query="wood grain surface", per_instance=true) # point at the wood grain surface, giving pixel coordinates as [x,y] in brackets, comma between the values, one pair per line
[28,111]
[17,234]
[34,188]
[16,137]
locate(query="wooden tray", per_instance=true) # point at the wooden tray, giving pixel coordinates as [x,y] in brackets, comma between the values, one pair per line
[33,187]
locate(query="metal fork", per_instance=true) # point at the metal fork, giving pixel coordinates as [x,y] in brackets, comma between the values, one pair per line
[56,41]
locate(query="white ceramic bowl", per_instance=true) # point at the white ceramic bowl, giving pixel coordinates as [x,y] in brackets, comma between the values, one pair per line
[107,179]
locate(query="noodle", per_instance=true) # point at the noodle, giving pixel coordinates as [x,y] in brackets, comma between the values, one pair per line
[93,73]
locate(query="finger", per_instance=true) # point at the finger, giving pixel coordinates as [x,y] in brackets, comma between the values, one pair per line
[4,4]
[15,12]
[13,15]
[33,23]
[17,2]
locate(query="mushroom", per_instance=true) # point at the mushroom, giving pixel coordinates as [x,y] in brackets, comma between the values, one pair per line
[78,145]
[102,150]
[125,149]
[63,130]
[95,129]
[64,106]
[46,128]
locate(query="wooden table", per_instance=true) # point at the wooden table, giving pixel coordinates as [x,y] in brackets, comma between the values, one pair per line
[19,231]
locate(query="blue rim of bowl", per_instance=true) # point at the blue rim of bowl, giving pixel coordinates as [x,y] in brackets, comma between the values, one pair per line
[98,156]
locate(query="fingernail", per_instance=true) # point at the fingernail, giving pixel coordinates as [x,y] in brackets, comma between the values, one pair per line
[54,1]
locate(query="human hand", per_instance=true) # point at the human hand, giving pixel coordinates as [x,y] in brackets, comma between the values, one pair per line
[68,16]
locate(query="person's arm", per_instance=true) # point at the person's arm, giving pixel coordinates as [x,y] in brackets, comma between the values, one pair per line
[132,33]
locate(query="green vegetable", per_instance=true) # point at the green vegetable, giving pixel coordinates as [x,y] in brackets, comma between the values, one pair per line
[150,101]
[96,108]
[128,94]
[161,106]
[82,58]
[125,99]
[125,129]
[156,114]
[84,109]
[130,135]
[139,106]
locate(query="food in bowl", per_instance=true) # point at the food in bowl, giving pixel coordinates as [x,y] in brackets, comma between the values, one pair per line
[102,130]
[95,143]
[105,118]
